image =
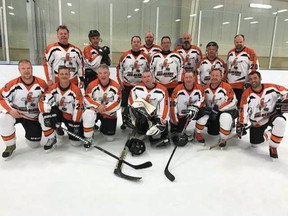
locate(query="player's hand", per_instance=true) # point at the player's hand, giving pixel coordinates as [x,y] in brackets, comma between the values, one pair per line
[15,114]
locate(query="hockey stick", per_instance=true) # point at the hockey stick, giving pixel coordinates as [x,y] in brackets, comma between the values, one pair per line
[139,166]
[167,173]
[219,142]
[118,169]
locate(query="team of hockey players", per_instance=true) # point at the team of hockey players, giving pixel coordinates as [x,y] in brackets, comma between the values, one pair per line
[159,90]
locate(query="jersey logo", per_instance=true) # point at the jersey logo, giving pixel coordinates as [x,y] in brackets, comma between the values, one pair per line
[104,98]
[148,98]
[62,104]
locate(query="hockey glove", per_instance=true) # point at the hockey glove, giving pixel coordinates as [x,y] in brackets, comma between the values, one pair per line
[106,50]
[52,118]
[240,130]
[214,113]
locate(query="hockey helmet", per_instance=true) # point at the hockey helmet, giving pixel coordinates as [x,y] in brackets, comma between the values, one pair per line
[93,33]
[180,139]
[136,146]
[212,43]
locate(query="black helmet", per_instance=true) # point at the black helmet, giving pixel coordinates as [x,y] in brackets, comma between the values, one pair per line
[212,43]
[93,33]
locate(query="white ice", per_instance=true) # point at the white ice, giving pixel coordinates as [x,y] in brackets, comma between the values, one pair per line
[239,180]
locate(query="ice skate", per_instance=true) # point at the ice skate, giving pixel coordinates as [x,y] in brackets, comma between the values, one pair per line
[50,145]
[7,154]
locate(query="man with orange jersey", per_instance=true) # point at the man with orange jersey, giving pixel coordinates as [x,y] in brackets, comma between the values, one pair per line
[63,102]
[259,106]
[186,100]
[241,60]
[19,104]
[102,100]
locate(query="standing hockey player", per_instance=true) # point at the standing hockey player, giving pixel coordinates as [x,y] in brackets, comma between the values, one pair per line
[241,60]
[102,100]
[167,66]
[191,53]
[221,99]
[63,53]
[63,102]
[149,110]
[19,104]
[129,71]
[149,47]
[186,100]
[208,63]
[259,106]
[93,56]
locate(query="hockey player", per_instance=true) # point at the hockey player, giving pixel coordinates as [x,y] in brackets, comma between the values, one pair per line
[149,110]
[63,53]
[149,47]
[208,63]
[102,100]
[129,71]
[258,105]
[93,56]
[221,99]
[63,102]
[186,100]
[167,66]
[191,53]
[18,104]
[241,60]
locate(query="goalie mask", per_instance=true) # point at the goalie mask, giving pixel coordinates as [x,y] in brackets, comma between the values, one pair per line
[136,146]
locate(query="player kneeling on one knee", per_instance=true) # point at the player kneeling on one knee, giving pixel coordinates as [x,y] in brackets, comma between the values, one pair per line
[220,110]
[263,110]
[63,102]
[102,100]
[149,109]
[186,100]
[18,104]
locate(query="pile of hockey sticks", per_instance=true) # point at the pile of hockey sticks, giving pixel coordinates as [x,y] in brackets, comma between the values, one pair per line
[120,159]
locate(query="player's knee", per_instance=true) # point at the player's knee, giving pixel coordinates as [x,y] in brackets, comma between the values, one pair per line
[6,120]
[89,117]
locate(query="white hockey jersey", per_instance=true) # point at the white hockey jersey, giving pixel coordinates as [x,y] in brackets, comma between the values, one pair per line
[130,68]
[223,96]
[68,100]
[55,56]
[256,106]
[109,96]
[239,65]
[191,57]
[92,59]
[152,50]
[167,69]
[24,98]
[182,99]
[158,97]
[206,66]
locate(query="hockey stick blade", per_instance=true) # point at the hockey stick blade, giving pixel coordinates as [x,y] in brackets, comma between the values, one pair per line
[138,166]
[167,173]
[118,170]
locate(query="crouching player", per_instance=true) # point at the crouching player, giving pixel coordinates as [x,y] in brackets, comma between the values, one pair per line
[262,105]
[148,107]
[186,100]
[102,100]
[221,99]
[63,102]
[18,104]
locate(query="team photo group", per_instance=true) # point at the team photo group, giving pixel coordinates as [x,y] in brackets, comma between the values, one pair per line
[159,90]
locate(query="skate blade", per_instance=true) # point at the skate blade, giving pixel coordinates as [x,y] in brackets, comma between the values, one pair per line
[50,150]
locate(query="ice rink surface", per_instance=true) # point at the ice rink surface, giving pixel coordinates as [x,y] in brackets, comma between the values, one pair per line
[238,181]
